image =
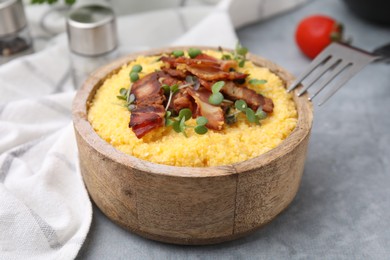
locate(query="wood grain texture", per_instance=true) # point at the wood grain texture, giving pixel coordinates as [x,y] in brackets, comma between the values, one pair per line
[186,205]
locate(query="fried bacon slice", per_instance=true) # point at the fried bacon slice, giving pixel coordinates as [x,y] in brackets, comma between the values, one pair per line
[205,67]
[146,118]
[175,73]
[148,89]
[213,74]
[234,92]
[149,111]
[253,99]
[182,100]
[224,65]
[214,114]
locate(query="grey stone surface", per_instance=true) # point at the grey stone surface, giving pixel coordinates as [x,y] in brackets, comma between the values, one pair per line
[342,210]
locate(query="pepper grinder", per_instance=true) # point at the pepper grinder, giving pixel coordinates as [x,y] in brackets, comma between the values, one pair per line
[15,39]
[93,40]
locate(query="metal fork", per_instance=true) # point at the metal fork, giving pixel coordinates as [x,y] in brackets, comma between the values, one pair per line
[340,61]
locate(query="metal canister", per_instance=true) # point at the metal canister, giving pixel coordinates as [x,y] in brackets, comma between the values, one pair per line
[93,40]
[15,39]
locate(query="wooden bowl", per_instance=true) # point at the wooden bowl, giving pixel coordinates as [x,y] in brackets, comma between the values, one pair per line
[185,205]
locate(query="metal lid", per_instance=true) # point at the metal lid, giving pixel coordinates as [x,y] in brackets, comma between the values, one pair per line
[12,17]
[92,30]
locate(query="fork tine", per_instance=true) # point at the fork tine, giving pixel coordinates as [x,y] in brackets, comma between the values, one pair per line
[341,66]
[321,58]
[353,70]
[317,74]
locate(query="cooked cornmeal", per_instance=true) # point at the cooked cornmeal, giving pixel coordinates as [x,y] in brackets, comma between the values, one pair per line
[235,143]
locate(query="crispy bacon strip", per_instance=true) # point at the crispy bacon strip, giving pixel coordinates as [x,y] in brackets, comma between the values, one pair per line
[213,74]
[207,84]
[214,114]
[149,111]
[234,92]
[205,67]
[174,62]
[182,100]
[175,73]
[146,87]
[146,118]
[253,99]
[224,65]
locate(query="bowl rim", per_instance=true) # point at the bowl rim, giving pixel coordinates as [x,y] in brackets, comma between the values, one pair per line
[86,93]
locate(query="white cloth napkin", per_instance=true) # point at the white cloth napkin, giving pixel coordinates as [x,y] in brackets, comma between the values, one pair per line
[45,212]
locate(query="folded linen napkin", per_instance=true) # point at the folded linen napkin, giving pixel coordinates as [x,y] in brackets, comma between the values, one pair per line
[45,212]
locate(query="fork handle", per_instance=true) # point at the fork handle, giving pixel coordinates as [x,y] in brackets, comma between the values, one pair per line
[383,53]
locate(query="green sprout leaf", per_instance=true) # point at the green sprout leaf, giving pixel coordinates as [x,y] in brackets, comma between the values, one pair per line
[182,126]
[178,53]
[226,57]
[168,114]
[200,129]
[216,98]
[257,81]
[193,52]
[185,113]
[174,88]
[123,92]
[239,54]
[166,89]
[250,115]
[201,120]
[122,97]
[131,99]
[136,68]
[217,86]
[131,107]
[241,105]
[169,122]
[260,114]
[176,126]
[241,50]
[134,76]
[126,96]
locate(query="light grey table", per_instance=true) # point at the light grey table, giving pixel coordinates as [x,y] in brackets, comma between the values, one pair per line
[342,210]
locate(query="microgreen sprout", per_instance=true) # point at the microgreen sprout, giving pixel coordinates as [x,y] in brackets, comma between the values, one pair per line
[200,127]
[179,123]
[257,81]
[260,114]
[124,94]
[178,53]
[134,72]
[194,81]
[226,57]
[241,105]
[169,90]
[136,68]
[239,54]
[193,52]
[134,76]
[252,116]
[216,97]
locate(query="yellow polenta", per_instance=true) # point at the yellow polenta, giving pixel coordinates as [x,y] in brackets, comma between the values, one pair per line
[237,142]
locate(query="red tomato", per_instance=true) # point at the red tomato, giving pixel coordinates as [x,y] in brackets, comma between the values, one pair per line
[316,32]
